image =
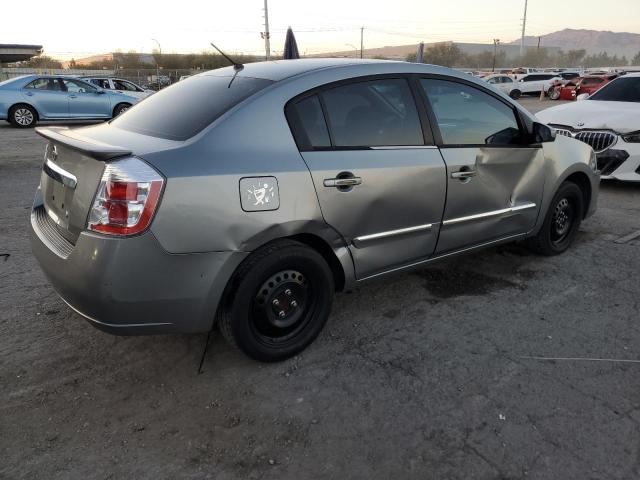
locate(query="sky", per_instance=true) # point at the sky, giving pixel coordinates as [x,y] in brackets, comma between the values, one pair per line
[80,30]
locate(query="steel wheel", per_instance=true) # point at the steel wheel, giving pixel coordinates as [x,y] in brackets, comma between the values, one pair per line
[562,220]
[277,301]
[281,306]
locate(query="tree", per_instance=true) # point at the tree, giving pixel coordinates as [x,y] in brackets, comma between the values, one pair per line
[42,61]
[635,61]
[446,54]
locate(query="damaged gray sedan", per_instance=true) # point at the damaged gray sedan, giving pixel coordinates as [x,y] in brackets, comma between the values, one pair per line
[247,196]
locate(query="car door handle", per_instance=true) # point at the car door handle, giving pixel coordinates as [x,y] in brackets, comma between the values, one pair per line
[463,175]
[342,182]
[73,96]
[30,94]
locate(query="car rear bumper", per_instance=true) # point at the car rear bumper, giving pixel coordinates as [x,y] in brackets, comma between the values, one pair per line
[132,285]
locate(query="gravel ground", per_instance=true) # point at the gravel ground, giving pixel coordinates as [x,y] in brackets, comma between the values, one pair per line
[428,374]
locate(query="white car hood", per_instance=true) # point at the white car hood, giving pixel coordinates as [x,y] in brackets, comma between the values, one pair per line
[621,117]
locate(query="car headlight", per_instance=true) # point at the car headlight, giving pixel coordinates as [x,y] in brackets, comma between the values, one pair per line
[593,161]
[633,137]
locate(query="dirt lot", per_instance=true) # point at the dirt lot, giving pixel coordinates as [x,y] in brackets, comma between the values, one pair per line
[425,375]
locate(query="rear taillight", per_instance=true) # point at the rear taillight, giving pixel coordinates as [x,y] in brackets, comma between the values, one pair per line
[126,199]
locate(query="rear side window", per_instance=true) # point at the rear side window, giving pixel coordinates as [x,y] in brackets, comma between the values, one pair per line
[308,124]
[45,84]
[469,116]
[184,109]
[373,113]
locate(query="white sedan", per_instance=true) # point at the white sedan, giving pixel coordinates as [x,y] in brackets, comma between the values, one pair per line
[505,84]
[120,85]
[535,82]
[609,121]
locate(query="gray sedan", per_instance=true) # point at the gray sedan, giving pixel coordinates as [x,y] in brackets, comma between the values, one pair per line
[247,196]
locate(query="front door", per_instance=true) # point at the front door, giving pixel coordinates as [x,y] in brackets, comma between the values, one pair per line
[494,177]
[47,95]
[379,185]
[86,101]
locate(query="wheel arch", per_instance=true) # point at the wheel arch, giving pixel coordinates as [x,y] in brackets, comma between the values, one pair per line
[115,107]
[582,180]
[27,104]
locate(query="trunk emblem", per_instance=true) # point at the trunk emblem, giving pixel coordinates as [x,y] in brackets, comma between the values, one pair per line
[580,124]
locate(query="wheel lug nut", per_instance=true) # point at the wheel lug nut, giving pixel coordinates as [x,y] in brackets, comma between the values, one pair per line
[275,302]
[287,292]
[281,313]
[294,304]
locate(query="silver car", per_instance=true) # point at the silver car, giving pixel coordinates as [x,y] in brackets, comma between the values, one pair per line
[271,186]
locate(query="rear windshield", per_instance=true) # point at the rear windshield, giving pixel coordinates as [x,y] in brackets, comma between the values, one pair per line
[620,90]
[184,109]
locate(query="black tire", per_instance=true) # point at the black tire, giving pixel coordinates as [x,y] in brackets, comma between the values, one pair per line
[561,222]
[301,282]
[515,94]
[121,107]
[554,93]
[23,116]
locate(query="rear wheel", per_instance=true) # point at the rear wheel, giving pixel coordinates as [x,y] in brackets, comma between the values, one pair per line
[278,301]
[23,116]
[515,94]
[554,93]
[561,222]
[120,108]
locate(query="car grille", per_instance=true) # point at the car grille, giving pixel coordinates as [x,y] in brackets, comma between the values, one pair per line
[598,140]
[47,231]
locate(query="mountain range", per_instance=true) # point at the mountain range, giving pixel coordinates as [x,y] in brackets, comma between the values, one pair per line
[593,41]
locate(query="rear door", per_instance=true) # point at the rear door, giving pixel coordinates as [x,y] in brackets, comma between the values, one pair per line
[494,177]
[379,183]
[47,95]
[86,101]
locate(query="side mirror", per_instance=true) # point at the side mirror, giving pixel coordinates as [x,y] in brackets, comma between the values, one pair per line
[582,96]
[543,133]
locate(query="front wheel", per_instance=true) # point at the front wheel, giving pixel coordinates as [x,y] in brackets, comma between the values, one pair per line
[554,94]
[23,116]
[278,301]
[561,222]
[515,94]
[120,108]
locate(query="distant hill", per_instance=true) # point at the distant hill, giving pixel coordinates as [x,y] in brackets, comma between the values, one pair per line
[593,41]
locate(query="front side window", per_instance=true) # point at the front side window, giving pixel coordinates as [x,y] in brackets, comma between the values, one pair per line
[469,116]
[373,113]
[76,86]
[623,89]
[101,82]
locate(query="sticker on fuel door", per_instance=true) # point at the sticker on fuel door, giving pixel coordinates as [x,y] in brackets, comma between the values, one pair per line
[259,194]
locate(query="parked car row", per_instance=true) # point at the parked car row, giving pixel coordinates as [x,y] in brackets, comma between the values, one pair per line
[31,98]
[579,86]
[529,84]
[608,120]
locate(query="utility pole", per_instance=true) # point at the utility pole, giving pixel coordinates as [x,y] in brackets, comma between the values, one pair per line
[496,42]
[157,64]
[265,34]
[524,27]
[361,40]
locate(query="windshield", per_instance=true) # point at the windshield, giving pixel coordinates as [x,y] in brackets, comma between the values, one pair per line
[625,89]
[184,109]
